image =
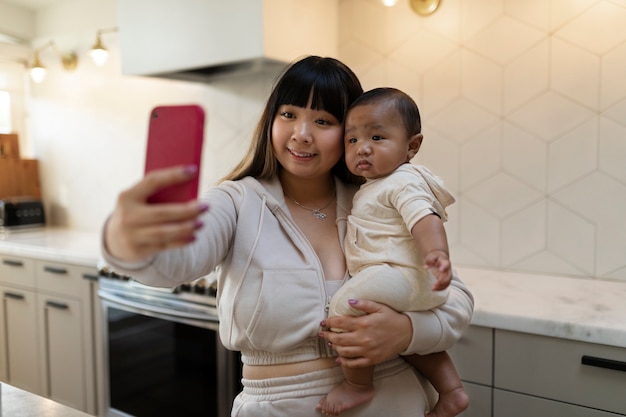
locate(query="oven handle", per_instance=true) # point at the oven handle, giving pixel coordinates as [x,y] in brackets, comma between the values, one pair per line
[155,309]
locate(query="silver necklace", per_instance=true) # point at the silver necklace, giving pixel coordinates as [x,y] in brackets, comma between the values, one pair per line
[316,212]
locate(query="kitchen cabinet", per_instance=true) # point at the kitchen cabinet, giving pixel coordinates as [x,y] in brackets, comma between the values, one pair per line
[511,404]
[555,369]
[511,374]
[473,357]
[19,360]
[49,329]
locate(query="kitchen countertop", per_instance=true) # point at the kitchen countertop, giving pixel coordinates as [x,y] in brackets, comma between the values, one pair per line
[19,403]
[52,244]
[588,310]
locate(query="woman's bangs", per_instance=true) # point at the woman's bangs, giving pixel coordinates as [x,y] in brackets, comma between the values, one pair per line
[324,91]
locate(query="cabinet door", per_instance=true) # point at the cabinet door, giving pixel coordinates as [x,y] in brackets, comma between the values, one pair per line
[62,350]
[19,339]
[473,355]
[510,404]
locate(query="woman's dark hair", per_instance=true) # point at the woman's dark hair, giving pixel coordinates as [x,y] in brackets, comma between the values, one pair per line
[333,87]
[402,103]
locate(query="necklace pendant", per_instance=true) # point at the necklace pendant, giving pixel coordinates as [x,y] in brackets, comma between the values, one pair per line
[319,215]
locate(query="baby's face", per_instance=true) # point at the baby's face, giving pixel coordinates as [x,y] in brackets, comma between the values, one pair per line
[376,141]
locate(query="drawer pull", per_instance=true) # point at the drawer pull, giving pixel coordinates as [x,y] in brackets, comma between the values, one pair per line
[13,295]
[53,270]
[603,363]
[59,306]
[11,262]
[90,277]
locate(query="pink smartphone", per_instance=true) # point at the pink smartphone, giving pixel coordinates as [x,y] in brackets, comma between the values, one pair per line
[175,137]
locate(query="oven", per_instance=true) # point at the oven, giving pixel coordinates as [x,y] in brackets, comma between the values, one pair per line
[162,352]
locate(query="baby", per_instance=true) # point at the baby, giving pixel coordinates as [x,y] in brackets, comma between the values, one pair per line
[396,245]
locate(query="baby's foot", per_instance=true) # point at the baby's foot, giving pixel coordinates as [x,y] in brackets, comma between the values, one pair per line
[343,397]
[450,404]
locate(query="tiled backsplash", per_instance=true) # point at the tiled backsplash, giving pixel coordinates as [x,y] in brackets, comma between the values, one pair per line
[524,115]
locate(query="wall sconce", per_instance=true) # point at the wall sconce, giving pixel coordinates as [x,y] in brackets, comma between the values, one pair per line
[98,52]
[421,7]
[424,7]
[38,71]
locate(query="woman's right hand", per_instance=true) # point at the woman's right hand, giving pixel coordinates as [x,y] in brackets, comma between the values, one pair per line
[136,230]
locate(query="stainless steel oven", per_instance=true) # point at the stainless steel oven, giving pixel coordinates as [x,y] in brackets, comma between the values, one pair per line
[162,353]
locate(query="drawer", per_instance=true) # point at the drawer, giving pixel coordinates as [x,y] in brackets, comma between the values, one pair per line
[58,278]
[17,271]
[473,355]
[552,368]
[510,404]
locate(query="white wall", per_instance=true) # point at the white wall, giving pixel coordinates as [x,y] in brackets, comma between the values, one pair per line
[524,114]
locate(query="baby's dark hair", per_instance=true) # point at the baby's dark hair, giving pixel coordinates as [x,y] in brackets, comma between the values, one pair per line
[400,101]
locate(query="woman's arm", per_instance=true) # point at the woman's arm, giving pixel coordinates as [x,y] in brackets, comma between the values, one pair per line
[383,333]
[136,231]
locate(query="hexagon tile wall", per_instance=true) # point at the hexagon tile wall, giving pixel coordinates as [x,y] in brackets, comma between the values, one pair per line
[524,113]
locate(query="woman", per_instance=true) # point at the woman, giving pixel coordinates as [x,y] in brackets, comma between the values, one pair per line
[274,229]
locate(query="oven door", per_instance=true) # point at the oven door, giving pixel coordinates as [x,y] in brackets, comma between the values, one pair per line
[161,362]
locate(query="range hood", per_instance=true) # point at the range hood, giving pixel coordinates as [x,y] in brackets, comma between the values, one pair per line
[204,40]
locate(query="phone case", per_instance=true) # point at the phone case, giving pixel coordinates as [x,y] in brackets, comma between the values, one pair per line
[175,137]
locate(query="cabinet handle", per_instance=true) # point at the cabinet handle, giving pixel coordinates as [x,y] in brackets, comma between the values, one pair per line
[603,363]
[59,306]
[13,295]
[53,270]
[90,277]
[11,262]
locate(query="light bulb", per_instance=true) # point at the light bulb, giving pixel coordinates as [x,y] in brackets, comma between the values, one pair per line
[37,74]
[99,56]
[98,52]
[389,3]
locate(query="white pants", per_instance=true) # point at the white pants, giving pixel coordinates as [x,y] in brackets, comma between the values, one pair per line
[399,392]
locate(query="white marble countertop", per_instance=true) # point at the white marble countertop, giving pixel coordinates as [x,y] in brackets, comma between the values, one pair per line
[588,310]
[52,244]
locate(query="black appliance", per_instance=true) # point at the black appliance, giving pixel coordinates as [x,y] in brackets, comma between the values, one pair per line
[20,212]
[163,355]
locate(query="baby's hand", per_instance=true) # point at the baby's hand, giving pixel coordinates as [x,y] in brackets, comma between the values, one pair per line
[439,265]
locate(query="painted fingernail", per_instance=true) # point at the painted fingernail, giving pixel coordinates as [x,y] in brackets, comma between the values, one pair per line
[191,169]
[352,301]
[323,323]
[203,207]
[198,224]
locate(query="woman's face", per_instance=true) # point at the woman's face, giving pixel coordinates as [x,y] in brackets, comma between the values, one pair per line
[307,143]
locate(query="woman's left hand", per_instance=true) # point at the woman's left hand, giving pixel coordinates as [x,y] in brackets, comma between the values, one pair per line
[379,335]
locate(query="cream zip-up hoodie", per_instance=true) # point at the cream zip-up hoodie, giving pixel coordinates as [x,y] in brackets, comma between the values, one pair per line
[271,292]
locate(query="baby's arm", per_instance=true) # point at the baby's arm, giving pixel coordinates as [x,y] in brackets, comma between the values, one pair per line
[432,243]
